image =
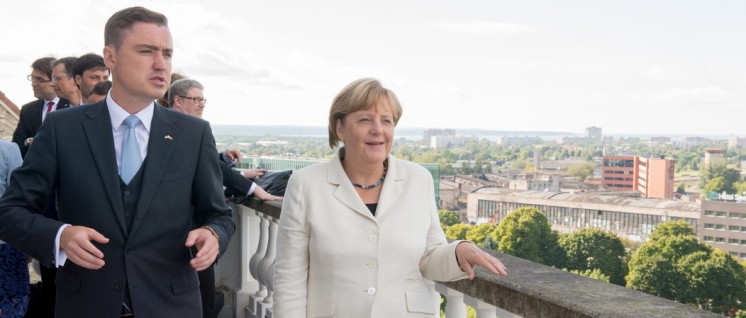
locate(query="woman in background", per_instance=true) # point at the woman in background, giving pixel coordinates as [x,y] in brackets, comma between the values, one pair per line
[14,274]
[359,236]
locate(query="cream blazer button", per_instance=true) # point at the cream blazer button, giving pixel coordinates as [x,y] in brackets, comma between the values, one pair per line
[371,291]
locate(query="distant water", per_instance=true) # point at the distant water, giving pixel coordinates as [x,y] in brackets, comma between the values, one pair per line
[417,133]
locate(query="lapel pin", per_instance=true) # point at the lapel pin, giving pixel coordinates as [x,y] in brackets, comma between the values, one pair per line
[168,137]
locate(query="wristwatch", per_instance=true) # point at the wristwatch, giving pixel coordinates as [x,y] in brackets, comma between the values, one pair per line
[28,141]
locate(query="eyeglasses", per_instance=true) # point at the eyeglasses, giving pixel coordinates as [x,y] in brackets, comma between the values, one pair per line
[196,100]
[37,79]
[57,78]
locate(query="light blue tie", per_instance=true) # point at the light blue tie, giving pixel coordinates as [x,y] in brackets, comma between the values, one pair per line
[131,158]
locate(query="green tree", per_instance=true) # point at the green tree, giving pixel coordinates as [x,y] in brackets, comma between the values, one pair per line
[592,273]
[716,280]
[681,188]
[652,268]
[719,169]
[581,171]
[526,233]
[673,265]
[479,233]
[458,231]
[671,228]
[717,185]
[739,187]
[594,249]
[448,218]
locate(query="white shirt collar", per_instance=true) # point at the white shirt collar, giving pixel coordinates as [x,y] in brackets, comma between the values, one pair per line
[118,114]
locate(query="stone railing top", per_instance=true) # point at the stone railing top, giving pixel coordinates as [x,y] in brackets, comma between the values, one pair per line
[535,290]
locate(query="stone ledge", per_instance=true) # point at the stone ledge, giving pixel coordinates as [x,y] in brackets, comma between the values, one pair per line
[536,290]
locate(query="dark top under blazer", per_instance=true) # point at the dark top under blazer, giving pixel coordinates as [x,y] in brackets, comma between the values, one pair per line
[73,152]
[30,120]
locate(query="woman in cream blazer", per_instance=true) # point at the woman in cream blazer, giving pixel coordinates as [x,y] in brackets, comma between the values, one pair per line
[365,250]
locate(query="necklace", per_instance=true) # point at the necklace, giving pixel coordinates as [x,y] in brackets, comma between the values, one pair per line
[379,182]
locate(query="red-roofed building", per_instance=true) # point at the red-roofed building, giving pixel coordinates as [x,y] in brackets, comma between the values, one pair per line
[9,113]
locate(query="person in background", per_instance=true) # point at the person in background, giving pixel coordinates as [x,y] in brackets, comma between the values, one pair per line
[359,235]
[99,91]
[163,100]
[187,96]
[33,113]
[88,70]
[138,186]
[31,118]
[63,80]
[14,274]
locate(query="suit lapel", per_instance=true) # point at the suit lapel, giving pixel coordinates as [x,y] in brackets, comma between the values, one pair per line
[35,119]
[159,154]
[97,129]
[345,193]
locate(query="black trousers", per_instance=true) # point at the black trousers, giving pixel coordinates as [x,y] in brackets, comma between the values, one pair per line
[207,291]
[41,305]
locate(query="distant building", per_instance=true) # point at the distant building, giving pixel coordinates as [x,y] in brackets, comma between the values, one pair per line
[652,177]
[429,133]
[594,132]
[437,142]
[634,218]
[535,183]
[735,142]
[723,224]
[519,141]
[660,140]
[9,114]
[695,140]
[712,155]
[579,141]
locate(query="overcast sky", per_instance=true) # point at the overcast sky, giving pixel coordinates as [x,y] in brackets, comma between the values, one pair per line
[638,67]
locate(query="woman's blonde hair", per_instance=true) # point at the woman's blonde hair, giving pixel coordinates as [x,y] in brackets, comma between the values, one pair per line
[359,95]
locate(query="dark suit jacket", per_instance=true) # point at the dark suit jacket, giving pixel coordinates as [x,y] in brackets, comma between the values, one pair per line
[30,120]
[74,153]
[233,181]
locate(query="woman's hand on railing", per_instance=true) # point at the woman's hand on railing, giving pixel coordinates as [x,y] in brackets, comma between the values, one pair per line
[469,255]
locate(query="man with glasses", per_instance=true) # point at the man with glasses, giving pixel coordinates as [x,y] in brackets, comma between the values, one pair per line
[33,113]
[186,96]
[88,71]
[63,80]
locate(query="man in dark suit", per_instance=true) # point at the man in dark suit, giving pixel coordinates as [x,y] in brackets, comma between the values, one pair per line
[139,189]
[33,113]
[187,96]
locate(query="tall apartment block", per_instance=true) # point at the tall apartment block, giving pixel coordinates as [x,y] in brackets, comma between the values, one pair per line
[652,177]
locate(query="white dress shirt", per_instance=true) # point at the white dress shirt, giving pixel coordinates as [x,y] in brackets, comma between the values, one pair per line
[119,129]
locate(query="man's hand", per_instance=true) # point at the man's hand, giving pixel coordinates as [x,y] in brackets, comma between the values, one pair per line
[234,155]
[76,242]
[207,248]
[260,194]
[253,173]
[469,255]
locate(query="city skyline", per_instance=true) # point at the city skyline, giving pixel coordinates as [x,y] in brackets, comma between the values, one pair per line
[636,68]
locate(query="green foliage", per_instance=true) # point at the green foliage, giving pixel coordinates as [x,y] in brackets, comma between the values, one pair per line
[526,233]
[479,233]
[458,231]
[717,185]
[652,268]
[592,273]
[716,280]
[739,187]
[581,171]
[448,218]
[671,228]
[593,249]
[715,170]
[681,188]
[673,265]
